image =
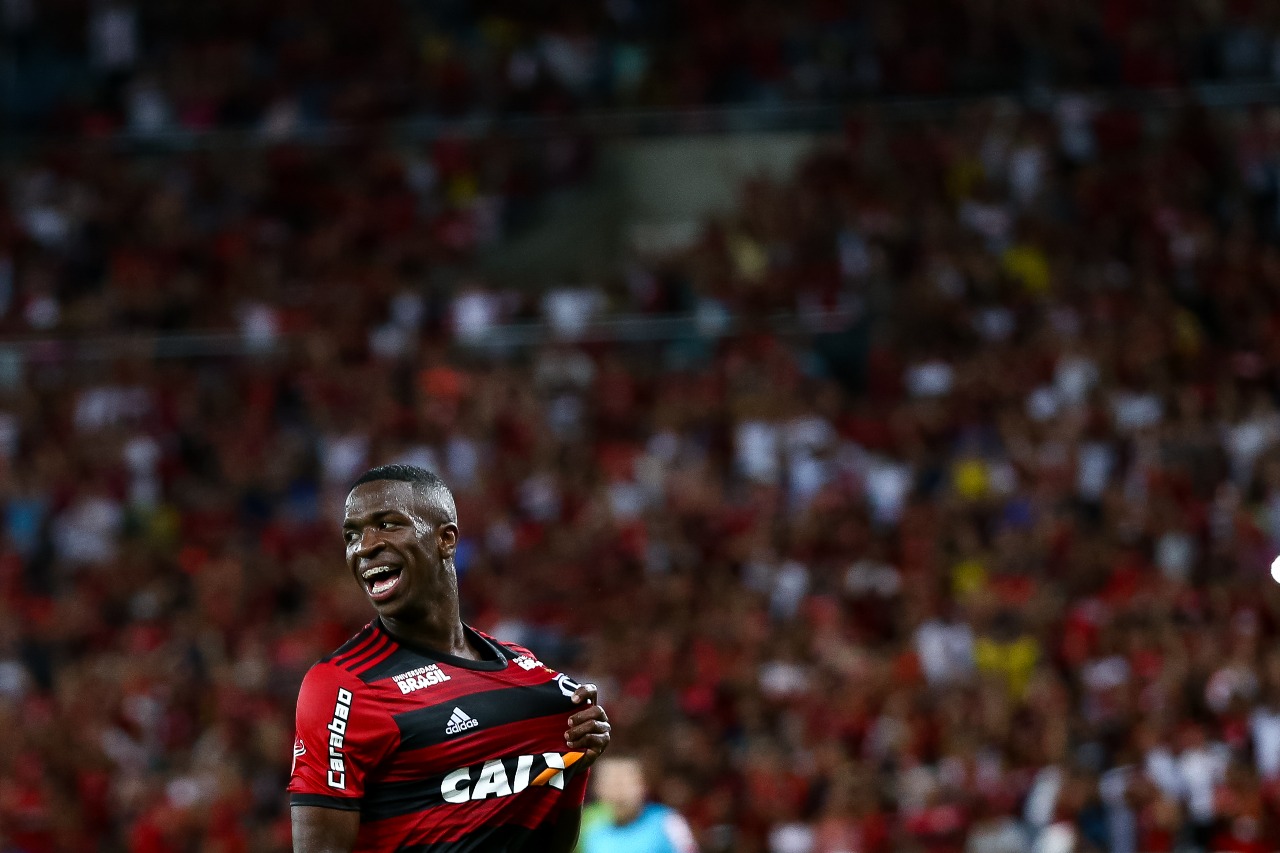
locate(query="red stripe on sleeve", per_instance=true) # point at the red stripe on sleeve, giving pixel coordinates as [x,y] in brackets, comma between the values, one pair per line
[381,645]
[360,648]
[378,657]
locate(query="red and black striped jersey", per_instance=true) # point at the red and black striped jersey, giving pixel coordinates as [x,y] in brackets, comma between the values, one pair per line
[439,754]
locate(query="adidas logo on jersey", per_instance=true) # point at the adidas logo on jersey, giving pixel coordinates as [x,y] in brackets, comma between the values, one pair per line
[459,722]
[527,663]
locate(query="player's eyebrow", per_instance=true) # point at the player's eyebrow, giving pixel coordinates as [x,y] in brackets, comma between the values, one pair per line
[354,522]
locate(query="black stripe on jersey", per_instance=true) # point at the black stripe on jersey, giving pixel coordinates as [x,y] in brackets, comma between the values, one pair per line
[380,646]
[346,804]
[497,839]
[405,658]
[350,645]
[423,727]
[384,800]
[399,661]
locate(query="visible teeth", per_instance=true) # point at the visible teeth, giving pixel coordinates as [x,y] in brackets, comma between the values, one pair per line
[377,570]
[383,584]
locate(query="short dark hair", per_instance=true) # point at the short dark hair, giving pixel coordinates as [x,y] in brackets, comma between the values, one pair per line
[428,482]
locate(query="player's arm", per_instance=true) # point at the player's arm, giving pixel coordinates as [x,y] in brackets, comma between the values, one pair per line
[342,734]
[320,830]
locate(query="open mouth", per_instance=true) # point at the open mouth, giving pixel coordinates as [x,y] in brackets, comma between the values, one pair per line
[381,580]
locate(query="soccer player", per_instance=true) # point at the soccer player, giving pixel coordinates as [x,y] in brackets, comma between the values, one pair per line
[632,825]
[421,733]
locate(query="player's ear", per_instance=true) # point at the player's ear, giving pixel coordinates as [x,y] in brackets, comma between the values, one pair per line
[447,539]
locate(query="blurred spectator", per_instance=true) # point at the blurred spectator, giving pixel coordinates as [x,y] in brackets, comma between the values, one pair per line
[631,825]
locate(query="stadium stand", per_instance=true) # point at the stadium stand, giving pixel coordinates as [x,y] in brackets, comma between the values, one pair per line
[971,555]
[153,66]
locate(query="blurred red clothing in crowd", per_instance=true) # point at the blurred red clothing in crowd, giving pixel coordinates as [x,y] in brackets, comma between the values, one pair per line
[984,556]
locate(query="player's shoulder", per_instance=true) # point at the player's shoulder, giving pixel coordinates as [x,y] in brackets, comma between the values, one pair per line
[526,665]
[325,676]
[345,663]
[513,651]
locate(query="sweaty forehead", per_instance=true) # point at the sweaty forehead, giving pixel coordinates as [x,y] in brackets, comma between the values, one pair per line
[368,499]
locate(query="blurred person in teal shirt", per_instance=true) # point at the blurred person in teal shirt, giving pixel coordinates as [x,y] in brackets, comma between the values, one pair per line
[622,821]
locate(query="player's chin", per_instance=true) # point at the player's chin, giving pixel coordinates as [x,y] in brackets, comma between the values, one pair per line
[389,605]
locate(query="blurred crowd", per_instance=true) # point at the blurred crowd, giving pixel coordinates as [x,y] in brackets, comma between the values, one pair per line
[975,561]
[268,242]
[151,66]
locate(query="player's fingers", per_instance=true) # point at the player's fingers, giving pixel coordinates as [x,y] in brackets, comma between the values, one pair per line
[595,712]
[591,748]
[585,693]
[593,728]
[588,728]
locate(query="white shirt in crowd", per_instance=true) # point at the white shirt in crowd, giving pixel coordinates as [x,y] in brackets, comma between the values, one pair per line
[1264,726]
[945,650]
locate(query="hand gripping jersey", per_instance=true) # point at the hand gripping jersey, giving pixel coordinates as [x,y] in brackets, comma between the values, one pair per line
[438,754]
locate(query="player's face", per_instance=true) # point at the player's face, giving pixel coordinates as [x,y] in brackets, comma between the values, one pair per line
[393,549]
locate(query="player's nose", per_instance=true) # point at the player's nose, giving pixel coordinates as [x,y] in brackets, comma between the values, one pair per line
[370,542]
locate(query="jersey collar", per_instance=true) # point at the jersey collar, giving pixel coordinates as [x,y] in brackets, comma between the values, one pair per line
[493,661]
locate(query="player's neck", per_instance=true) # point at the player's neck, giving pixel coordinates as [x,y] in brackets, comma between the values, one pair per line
[437,632]
[434,621]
